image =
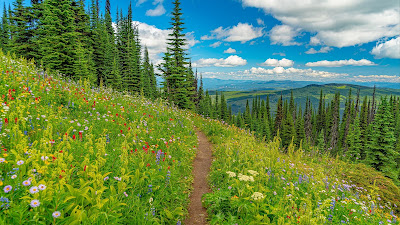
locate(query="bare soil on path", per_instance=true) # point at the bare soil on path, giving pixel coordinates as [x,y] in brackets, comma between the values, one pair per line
[201,168]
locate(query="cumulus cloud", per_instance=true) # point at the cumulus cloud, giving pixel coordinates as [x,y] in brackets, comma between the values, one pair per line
[280,63]
[336,23]
[296,73]
[388,49]
[321,50]
[216,44]
[378,78]
[231,61]
[284,35]
[230,51]
[242,32]
[158,11]
[155,39]
[339,63]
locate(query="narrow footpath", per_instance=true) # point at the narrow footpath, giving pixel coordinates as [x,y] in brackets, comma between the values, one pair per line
[201,168]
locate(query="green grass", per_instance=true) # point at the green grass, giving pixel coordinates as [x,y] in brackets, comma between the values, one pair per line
[113,158]
[301,187]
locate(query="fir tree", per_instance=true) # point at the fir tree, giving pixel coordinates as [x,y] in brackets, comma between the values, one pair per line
[354,143]
[380,151]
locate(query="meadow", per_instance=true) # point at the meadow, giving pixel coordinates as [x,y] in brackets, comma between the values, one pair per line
[73,154]
[254,182]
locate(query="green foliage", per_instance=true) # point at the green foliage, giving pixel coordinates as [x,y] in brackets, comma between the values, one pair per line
[104,157]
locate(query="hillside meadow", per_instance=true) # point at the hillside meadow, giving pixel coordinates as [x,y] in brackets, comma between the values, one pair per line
[73,154]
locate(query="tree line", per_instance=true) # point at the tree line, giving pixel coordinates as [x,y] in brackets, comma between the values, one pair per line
[63,36]
[368,130]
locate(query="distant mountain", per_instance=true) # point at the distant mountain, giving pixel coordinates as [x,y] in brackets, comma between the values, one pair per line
[238,98]
[256,85]
[252,85]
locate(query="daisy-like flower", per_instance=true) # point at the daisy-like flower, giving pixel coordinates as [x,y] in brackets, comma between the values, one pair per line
[7,188]
[34,190]
[13,176]
[20,162]
[56,214]
[35,203]
[42,187]
[2,160]
[26,183]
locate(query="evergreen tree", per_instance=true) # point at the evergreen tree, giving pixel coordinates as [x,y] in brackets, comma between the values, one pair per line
[21,21]
[279,115]
[354,143]
[300,133]
[58,37]
[321,141]
[288,130]
[5,31]
[380,151]
[174,65]
[334,128]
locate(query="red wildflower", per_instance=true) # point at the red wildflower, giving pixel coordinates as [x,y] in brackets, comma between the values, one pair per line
[148,165]
[73,137]
[84,169]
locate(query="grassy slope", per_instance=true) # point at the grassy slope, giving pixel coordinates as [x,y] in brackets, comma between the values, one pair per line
[238,99]
[104,157]
[297,188]
[72,138]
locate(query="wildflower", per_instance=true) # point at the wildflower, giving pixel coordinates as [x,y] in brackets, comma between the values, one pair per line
[34,190]
[106,178]
[56,214]
[42,187]
[252,172]
[35,203]
[20,162]
[231,174]
[26,183]
[13,176]
[7,188]
[257,196]
[151,200]
[2,160]
[245,178]
[126,195]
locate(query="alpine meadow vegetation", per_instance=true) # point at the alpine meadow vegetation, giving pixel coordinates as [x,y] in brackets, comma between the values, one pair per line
[90,135]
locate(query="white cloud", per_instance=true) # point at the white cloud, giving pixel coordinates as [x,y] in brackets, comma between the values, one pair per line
[284,35]
[158,11]
[350,62]
[230,51]
[280,63]
[378,78]
[279,53]
[260,22]
[242,32]
[388,49]
[295,73]
[216,44]
[231,61]
[156,40]
[338,23]
[321,50]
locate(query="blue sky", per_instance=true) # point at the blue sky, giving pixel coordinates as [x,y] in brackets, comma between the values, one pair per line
[352,40]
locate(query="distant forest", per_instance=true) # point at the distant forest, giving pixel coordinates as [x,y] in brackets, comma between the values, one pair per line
[367,132]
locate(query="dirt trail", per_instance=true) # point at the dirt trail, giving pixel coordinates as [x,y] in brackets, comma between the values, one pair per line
[201,168]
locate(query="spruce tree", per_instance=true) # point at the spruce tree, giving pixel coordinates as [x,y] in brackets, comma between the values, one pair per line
[174,66]
[380,151]
[5,31]
[354,143]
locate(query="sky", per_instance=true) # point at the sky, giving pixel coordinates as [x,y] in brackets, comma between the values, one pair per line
[302,40]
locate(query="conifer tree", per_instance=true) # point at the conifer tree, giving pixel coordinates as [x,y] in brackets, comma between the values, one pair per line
[300,133]
[279,115]
[288,130]
[174,66]
[380,151]
[354,143]
[58,38]
[5,30]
